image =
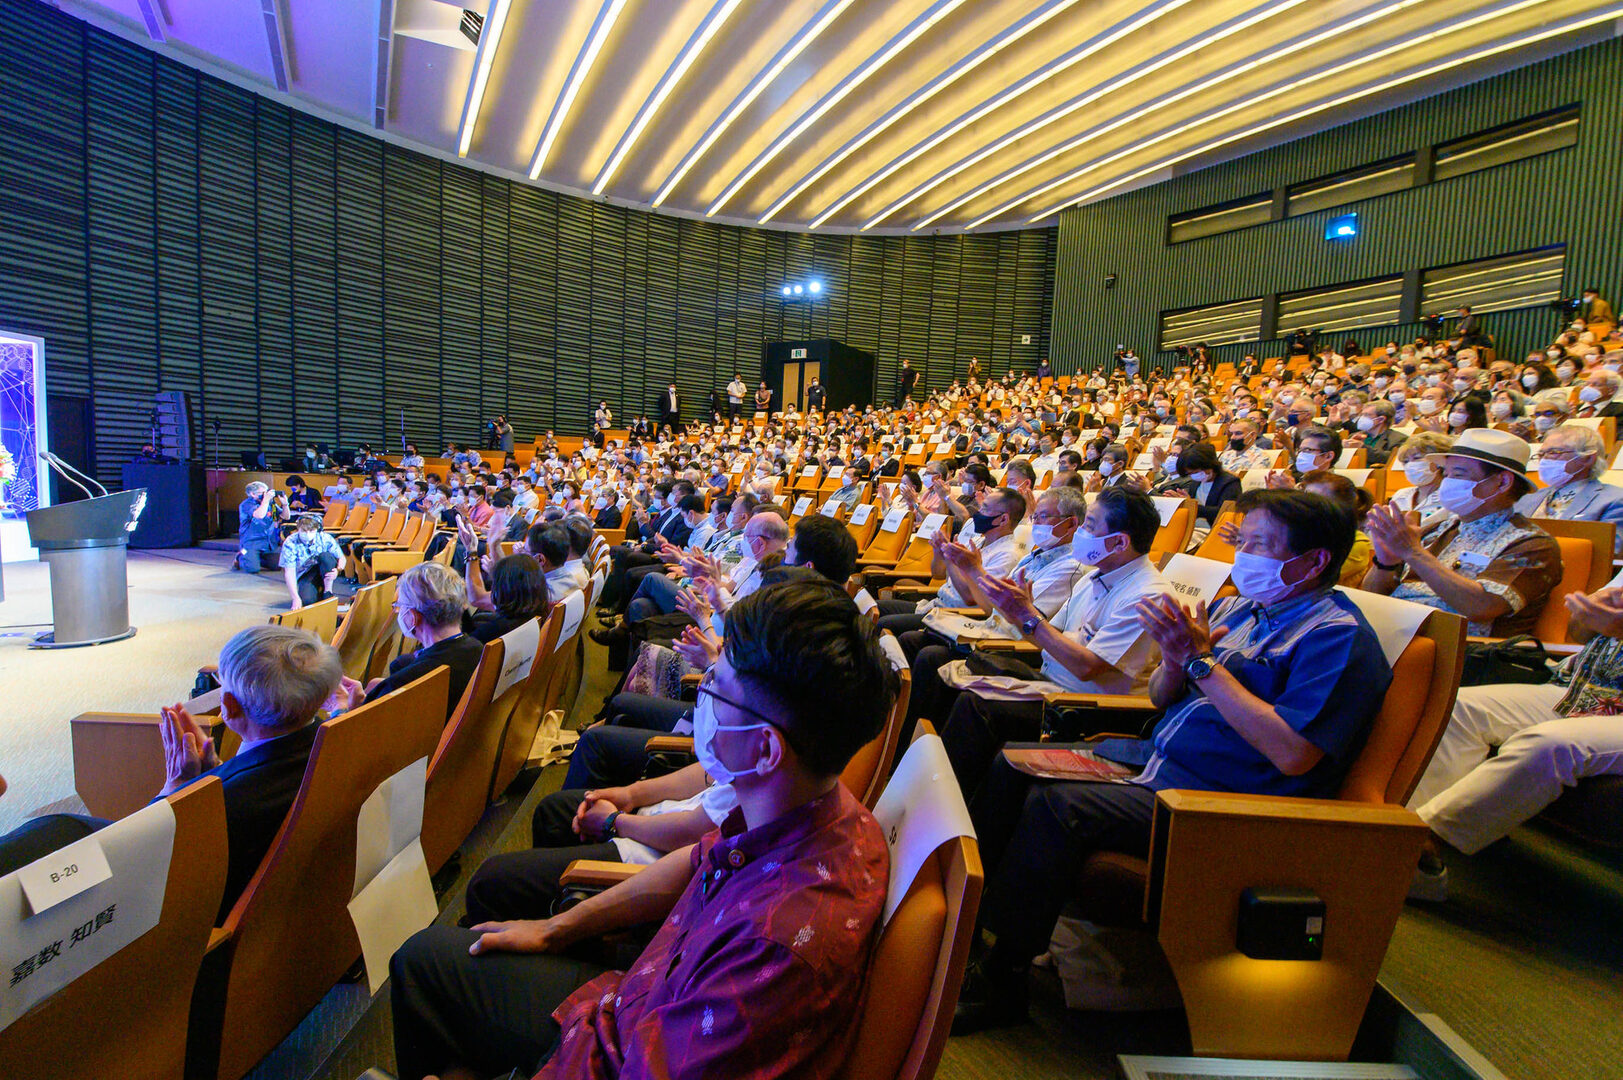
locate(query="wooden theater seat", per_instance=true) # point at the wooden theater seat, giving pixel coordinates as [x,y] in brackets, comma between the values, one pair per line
[458,782]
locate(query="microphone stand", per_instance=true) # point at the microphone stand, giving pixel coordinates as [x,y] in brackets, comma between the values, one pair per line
[76,472]
[51,461]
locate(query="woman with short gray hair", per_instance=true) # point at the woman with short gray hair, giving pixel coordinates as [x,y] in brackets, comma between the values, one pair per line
[428,606]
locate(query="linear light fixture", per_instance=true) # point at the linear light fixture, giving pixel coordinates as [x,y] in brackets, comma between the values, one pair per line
[1030,82]
[924,94]
[1226,75]
[786,57]
[673,75]
[1076,104]
[1482,54]
[489,38]
[577,75]
[921,26]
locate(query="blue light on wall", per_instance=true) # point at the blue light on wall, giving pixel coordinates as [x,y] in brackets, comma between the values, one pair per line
[1344,227]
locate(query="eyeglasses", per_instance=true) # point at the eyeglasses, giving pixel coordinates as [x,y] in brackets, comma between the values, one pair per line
[707,685]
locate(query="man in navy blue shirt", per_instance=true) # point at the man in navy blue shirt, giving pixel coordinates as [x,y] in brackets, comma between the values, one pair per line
[1272,694]
[259,542]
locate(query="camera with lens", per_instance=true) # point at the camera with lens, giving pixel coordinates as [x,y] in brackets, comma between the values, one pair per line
[1566,305]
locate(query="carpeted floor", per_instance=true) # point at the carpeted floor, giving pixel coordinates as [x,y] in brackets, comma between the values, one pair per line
[1523,962]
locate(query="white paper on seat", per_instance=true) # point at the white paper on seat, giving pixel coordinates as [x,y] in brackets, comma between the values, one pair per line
[921,809]
[521,644]
[836,472]
[802,504]
[893,520]
[862,513]
[1166,506]
[1195,579]
[932,525]
[893,651]
[1144,462]
[781,500]
[961,628]
[738,466]
[865,601]
[809,470]
[390,818]
[1360,477]
[830,509]
[395,904]
[1394,621]
[80,932]
[574,611]
[1345,459]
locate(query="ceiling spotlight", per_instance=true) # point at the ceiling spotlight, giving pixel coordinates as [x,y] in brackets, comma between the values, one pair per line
[816,287]
[798,290]
[787,290]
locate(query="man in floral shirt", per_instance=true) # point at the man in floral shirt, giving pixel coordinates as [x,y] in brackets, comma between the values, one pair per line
[766,926]
[1547,737]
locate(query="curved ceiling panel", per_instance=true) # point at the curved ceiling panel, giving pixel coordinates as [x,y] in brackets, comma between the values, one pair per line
[848,115]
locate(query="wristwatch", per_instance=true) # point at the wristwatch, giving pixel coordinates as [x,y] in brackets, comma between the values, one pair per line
[609,830]
[1199,666]
[1029,626]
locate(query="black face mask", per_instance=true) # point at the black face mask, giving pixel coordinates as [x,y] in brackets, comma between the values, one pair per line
[984,523]
[1237,444]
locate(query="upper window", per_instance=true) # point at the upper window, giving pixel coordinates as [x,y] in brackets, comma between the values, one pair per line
[1509,142]
[1345,307]
[1220,219]
[1218,324]
[1381,178]
[1509,281]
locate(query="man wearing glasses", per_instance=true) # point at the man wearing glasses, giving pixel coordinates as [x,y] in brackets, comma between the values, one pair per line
[766,925]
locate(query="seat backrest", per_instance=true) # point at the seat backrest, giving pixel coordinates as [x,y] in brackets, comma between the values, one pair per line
[519,710]
[868,770]
[320,618]
[378,523]
[371,610]
[88,1028]
[862,524]
[888,546]
[1412,716]
[357,518]
[334,517]
[290,934]
[917,969]
[1174,535]
[1586,566]
[397,525]
[459,772]
[1213,548]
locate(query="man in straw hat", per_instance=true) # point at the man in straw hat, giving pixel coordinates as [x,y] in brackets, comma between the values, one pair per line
[1484,561]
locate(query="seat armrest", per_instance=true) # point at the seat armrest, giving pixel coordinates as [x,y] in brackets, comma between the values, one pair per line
[669,744]
[593,873]
[879,563]
[912,592]
[394,562]
[1007,645]
[1138,702]
[1554,648]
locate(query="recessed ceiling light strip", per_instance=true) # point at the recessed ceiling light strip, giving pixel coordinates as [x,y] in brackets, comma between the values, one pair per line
[1030,82]
[696,44]
[1534,38]
[846,86]
[923,94]
[785,57]
[489,38]
[1107,88]
[599,34]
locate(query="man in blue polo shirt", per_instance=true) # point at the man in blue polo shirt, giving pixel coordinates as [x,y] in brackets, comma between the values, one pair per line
[1273,694]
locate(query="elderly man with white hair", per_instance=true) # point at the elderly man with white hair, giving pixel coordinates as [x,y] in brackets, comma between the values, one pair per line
[1550,408]
[1570,464]
[1598,394]
[429,603]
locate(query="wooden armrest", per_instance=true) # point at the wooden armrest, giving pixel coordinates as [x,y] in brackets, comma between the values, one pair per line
[217,937]
[693,678]
[970,612]
[1555,648]
[205,704]
[1333,811]
[881,563]
[600,874]
[912,592]
[883,576]
[1101,701]
[1006,645]
[669,744]
[394,562]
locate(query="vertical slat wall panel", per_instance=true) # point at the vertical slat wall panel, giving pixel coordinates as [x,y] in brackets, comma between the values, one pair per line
[315,275]
[1567,196]
[122,252]
[305,282]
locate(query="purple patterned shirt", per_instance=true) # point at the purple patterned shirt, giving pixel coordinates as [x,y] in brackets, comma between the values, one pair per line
[758,971]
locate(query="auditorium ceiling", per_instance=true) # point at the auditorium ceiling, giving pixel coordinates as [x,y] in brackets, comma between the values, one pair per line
[849,115]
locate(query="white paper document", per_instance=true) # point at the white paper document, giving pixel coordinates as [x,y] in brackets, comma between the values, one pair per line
[921,809]
[394,905]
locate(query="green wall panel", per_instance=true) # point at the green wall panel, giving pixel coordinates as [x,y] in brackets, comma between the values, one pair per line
[1569,196]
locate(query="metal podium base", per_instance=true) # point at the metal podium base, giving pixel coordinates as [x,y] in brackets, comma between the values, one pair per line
[47,640]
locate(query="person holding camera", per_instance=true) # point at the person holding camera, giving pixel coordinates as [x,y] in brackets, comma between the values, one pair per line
[258,545]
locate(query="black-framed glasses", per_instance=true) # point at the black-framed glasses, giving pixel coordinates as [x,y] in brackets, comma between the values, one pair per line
[707,686]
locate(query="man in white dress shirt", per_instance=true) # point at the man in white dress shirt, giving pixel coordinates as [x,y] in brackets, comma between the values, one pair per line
[996,520]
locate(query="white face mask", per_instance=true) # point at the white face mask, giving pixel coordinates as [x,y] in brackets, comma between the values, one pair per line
[1201,477]
[1380,383]
[1544,423]
[1170,465]
[1260,577]
[1589,394]
[1500,409]
[705,727]
[1396,397]
[1427,406]
[1554,473]
[1042,536]
[1420,472]
[1106,468]
[1530,380]
[1091,549]
[1458,495]
[1366,423]
[1457,419]
[1307,461]
[1565,371]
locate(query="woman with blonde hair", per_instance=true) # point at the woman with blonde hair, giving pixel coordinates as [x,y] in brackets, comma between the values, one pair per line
[1424,477]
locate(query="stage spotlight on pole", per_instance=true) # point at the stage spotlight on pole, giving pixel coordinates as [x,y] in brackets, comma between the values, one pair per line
[798,290]
[787,290]
[815,287]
